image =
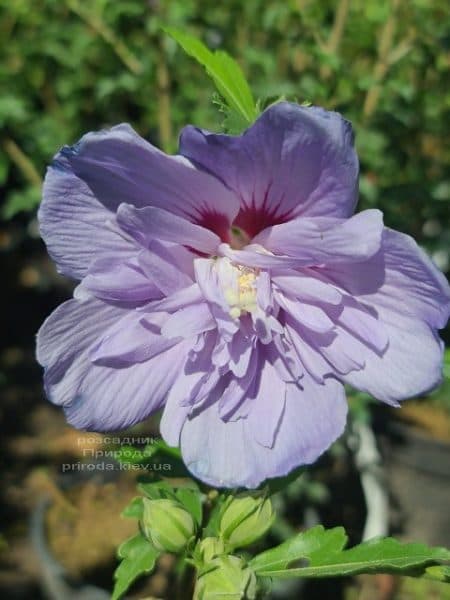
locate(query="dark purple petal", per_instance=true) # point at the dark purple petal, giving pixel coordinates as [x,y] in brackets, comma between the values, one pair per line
[293,161]
[119,166]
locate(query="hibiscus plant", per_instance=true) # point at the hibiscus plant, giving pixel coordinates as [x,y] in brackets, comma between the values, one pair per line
[232,286]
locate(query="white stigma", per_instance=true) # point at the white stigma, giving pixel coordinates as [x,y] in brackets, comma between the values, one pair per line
[238,285]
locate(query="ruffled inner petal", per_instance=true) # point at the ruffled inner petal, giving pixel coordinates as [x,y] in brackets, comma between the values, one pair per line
[132,339]
[112,279]
[226,453]
[149,223]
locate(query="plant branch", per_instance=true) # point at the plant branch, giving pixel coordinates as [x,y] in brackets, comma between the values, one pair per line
[382,64]
[108,35]
[21,160]
[163,96]
[337,31]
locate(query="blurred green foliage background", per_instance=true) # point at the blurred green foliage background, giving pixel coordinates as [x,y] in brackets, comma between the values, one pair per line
[69,66]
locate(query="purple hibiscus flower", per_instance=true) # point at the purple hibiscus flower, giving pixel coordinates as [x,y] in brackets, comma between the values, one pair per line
[231,286]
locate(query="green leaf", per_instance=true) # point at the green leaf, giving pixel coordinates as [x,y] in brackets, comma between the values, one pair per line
[278,484]
[304,545]
[191,499]
[438,573]
[161,446]
[131,455]
[213,524]
[225,72]
[138,558]
[134,509]
[324,555]
[233,122]
[25,200]
[189,496]
[447,363]
[157,490]
[4,167]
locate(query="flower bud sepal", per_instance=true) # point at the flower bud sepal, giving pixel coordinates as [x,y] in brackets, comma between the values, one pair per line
[244,519]
[167,525]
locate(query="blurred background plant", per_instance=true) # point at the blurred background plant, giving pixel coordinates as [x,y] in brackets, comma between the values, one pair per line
[71,66]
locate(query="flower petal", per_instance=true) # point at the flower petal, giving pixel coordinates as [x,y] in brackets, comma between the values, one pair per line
[133,339]
[342,351]
[114,280]
[400,277]
[63,342]
[313,317]
[362,323]
[317,241]
[162,266]
[293,161]
[226,454]
[120,166]
[410,366]
[268,406]
[72,327]
[149,223]
[306,287]
[189,321]
[179,299]
[311,359]
[112,399]
[75,226]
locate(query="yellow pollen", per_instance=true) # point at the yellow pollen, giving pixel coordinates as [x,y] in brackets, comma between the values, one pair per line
[242,299]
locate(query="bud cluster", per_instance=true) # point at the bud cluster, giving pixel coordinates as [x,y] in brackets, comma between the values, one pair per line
[170,527]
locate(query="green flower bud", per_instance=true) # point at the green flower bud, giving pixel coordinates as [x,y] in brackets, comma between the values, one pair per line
[226,578]
[210,548]
[245,519]
[167,524]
